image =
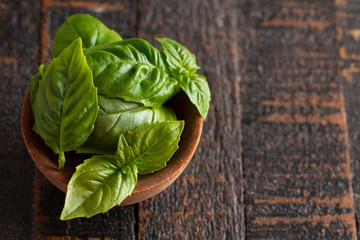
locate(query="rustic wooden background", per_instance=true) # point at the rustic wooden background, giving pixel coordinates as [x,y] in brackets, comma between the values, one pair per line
[279,156]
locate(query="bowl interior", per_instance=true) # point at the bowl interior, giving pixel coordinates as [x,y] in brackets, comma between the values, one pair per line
[147,185]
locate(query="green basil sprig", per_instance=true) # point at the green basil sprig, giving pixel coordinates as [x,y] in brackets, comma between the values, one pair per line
[103,181]
[104,95]
[182,66]
[197,89]
[98,185]
[66,104]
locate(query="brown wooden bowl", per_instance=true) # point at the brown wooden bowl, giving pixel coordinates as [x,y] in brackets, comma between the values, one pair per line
[148,185]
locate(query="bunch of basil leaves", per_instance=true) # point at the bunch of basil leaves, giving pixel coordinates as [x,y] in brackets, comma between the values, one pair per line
[104,95]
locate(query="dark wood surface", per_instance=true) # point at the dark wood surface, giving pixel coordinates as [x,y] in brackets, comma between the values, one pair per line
[278,158]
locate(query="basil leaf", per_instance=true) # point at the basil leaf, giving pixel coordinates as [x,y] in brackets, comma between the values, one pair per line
[197,89]
[182,65]
[90,29]
[124,153]
[116,117]
[103,181]
[153,144]
[131,171]
[34,86]
[178,58]
[126,73]
[97,185]
[152,54]
[66,102]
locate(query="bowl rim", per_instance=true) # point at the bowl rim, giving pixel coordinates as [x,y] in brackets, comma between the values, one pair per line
[148,185]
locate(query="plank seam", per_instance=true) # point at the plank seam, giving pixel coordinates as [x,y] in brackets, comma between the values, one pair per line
[344,115]
[137,221]
[36,181]
[44,35]
[237,87]
[137,18]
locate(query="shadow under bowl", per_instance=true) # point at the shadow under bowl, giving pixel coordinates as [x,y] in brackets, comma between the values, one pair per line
[148,185]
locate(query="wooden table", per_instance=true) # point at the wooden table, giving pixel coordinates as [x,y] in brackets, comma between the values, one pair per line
[279,156]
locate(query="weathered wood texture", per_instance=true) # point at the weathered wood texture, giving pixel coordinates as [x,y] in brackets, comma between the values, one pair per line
[348,35]
[206,202]
[18,60]
[274,159]
[295,151]
[120,222]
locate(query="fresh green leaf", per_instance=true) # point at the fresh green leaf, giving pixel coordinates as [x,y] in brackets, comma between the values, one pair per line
[90,29]
[178,58]
[124,153]
[116,117]
[126,73]
[182,65]
[34,86]
[66,102]
[152,54]
[131,171]
[97,185]
[153,144]
[103,181]
[197,89]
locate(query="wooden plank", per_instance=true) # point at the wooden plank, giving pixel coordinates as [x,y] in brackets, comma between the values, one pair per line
[19,50]
[348,33]
[120,222]
[206,202]
[295,149]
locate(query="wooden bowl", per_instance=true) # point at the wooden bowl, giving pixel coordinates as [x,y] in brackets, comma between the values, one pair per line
[148,185]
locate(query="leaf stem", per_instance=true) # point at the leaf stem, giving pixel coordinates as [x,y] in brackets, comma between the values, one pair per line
[61,160]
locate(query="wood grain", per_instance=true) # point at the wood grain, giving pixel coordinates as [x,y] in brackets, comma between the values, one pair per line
[206,202]
[295,149]
[278,158]
[18,60]
[348,33]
